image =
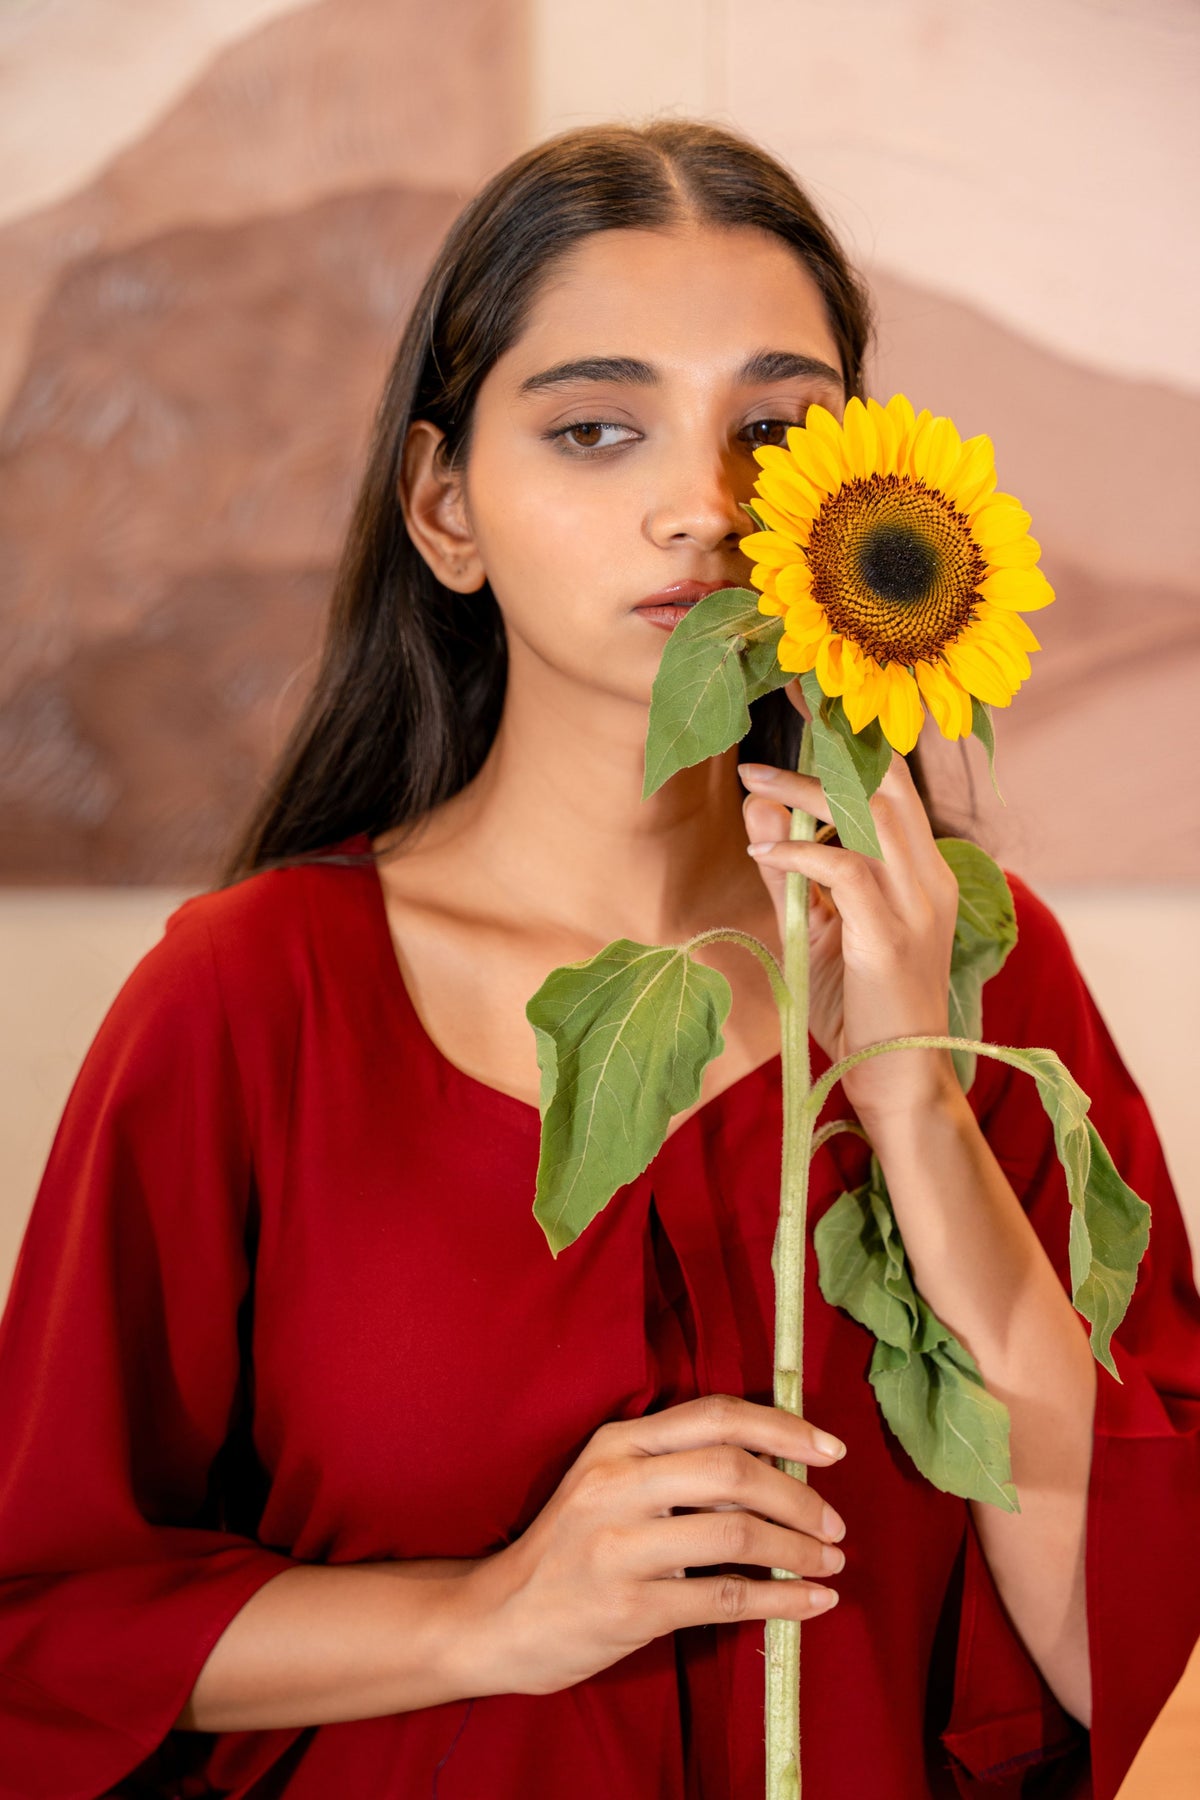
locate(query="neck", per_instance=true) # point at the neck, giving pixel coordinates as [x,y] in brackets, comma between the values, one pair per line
[554,828]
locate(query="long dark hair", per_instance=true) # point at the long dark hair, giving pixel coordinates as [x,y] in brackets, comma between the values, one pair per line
[410,686]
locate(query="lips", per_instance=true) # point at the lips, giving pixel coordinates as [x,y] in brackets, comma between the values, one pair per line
[680,593]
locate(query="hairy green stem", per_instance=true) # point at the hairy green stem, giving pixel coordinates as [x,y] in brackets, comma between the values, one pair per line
[783,1635]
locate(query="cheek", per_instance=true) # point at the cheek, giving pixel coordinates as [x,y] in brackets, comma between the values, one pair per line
[547,536]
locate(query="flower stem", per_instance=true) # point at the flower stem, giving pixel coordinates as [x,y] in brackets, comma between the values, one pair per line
[783,1635]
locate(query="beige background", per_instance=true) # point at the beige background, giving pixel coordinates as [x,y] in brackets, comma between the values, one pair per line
[212,218]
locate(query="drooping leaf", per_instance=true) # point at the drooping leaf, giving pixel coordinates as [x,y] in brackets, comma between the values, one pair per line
[844,773]
[981,727]
[720,657]
[928,1386]
[1110,1225]
[984,934]
[760,524]
[623,1040]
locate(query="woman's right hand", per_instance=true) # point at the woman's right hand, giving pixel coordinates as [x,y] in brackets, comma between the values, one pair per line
[591,1579]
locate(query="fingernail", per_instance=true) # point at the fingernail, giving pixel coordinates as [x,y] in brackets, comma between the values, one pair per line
[833,1561]
[823,1599]
[828,1446]
[757,771]
[831,1525]
[759,849]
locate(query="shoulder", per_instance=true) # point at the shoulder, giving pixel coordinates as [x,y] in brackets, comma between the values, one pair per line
[233,954]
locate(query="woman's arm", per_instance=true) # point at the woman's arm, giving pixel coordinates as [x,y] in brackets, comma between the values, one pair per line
[980,1266]
[321,1644]
[586,1583]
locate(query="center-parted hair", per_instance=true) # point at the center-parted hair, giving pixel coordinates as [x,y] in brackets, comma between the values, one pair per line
[410,683]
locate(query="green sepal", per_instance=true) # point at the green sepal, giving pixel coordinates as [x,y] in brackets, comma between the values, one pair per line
[927,1384]
[981,727]
[720,657]
[984,934]
[850,765]
[623,1039]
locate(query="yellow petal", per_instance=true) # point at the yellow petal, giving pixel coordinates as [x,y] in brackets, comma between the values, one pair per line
[803,622]
[1018,553]
[887,432]
[767,547]
[900,710]
[936,453]
[1010,624]
[946,698]
[977,673]
[912,433]
[975,477]
[829,665]
[1009,658]
[787,528]
[798,494]
[1017,590]
[861,703]
[996,521]
[860,439]
[768,604]
[816,461]
[798,658]
[794,582]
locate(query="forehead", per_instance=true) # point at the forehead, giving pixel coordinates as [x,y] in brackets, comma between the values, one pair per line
[693,294]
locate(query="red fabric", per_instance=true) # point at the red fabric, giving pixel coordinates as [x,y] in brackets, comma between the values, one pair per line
[282,1299]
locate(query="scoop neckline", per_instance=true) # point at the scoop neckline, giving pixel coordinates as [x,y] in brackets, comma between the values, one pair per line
[497,1097]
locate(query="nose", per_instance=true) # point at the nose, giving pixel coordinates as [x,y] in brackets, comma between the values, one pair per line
[696,500]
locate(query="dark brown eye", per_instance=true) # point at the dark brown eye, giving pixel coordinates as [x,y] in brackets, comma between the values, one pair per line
[782,426]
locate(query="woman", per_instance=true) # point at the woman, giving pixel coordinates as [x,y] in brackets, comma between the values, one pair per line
[328,1477]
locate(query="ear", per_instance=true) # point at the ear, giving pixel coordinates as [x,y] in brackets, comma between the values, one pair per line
[434,506]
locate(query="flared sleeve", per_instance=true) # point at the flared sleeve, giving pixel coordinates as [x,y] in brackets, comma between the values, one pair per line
[1143,1572]
[121,1379]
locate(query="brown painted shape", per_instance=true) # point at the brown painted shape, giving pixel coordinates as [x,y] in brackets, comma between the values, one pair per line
[175,479]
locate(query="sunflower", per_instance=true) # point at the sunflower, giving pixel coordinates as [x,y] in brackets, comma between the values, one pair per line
[899,572]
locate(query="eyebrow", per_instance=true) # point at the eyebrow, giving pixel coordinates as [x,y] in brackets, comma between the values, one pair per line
[762,367]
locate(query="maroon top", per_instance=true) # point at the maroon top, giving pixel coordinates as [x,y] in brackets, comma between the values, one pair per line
[282,1299]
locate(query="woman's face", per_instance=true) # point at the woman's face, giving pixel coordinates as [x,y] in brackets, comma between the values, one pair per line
[588,489]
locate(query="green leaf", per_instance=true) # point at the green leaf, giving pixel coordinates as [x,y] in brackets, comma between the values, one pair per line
[720,657]
[623,1040]
[1110,1225]
[927,1384]
[981,727]
[760,524]
[984,933]
[846,773]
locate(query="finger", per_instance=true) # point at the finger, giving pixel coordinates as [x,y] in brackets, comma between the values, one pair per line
[722,1599]
[860,887]
[786,787]
[724,1419]
[724,1475]
[700,1540]
[897,826]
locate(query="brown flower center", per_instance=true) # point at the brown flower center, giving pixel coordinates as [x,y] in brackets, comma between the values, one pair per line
[895,567]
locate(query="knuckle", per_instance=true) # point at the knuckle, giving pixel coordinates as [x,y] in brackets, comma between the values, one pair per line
[734,1536]
[727,1468]
[733,1596]
[593,1488]
[719,1411]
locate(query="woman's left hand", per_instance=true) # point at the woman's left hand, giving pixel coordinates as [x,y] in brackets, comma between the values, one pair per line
[880,934]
